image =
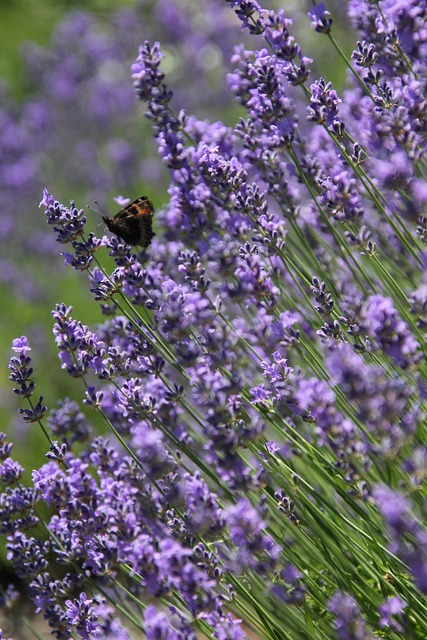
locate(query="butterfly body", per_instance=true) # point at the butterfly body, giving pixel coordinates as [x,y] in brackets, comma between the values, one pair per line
[134,223]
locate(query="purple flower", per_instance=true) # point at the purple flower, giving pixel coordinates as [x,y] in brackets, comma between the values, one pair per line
[5,447]
[81,615]
[408,536]
[395,172]
[168,626]
[156,625]
[349,623]
[27,555]
[68,421]
[10,472]
[21,370]
[79,348]
[68,223]
[9,597]
[395,509]
[227,627]
[278,370]
[260,394]
[57,451]
[20,345]
[339,195]
[390,332]
[324,102]
[253,547]
[34,414]
[145,71]
[49,481]
[319,18]
[382,403]
[247,11]
[392,607]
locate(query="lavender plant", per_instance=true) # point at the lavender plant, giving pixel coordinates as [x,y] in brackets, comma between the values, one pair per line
[260,373]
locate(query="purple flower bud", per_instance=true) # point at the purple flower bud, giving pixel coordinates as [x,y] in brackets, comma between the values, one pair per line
[319,18]
[145,70]
[21,371]
[36,414]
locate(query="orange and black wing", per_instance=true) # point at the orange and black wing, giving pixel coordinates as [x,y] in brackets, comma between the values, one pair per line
[134,223]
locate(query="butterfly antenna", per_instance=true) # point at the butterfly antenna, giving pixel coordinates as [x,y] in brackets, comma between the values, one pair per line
[98,210]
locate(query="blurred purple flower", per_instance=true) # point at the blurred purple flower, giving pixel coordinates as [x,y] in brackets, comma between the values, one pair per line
[393,606]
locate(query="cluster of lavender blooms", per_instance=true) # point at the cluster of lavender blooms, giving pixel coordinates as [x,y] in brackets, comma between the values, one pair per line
[255,466]
[80,124]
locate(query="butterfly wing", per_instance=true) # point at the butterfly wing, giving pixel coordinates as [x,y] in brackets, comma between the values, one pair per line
[140,207]
[134,223]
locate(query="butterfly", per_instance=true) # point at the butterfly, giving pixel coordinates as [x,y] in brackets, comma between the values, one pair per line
[134,223]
